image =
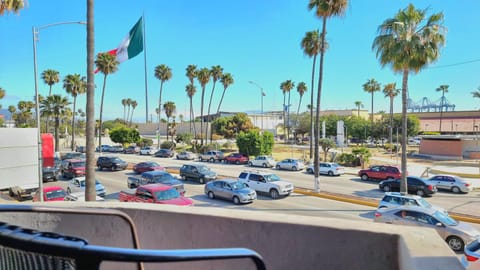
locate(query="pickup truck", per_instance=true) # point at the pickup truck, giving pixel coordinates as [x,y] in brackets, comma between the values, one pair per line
[212,156]
[156,177]
[154,193]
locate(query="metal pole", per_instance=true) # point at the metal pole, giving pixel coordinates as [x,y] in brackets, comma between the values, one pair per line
[37,116]
[261,115]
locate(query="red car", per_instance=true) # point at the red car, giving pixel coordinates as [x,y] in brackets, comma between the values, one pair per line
[154,193]
[50,194]
[147,166]
[73,168]
[236,158]
[380,172]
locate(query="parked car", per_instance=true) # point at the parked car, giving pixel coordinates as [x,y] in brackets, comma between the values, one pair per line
[112,162]
[231,190]
[50,173]
[80,148]
[395,199]
[236,158]
[416,185]
[167,153]
[212,156]
[132,149]
[471,258]
[78,184]
[156,177]
[50,194]
[328,168]
[155,193]
[455,233]
[198,172]
[263,161]
[104,148]
[380,172]
[73,155]
[187,155]
[117,149]
[290,164]
[79,197]
[73,168]
[148,150]
[147,166]
[266,183]
[451,183]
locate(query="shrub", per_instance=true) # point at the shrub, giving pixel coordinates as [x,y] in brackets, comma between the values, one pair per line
[348,159]
[184,137]
[143,142]
[167,145]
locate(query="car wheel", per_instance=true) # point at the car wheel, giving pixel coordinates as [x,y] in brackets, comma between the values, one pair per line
[387,188]
[212,160]
[278,167]
[183,177]
[201,180]
[455,243]
[364,177]
[178,157]
[420,192]
[455,190]
[330,173]
[264,165]
[309,170]
[69,191]
[237,162]
[274,194]
[236,200]
[250,164]
[294,168]
[114,168]
[211,195]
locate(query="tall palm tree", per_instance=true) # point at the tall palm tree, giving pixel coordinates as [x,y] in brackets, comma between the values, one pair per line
[301,89]
[286,86]
[129,105]
[50,77]
[134,105]
[11,6]
[476,94]
[124,104]
[408,42]
[359,105]
[11,109]
[163,73]
[391,91]
[203,77]
[191,73]
[371,86]
[216,72]
[106,64]
[169,108]
[191,90]
[444,89]
[324,9]
[56,106]
[74,85]
[226,81]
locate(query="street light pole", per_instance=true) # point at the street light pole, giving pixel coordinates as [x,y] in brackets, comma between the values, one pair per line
[262,94]
[35,32]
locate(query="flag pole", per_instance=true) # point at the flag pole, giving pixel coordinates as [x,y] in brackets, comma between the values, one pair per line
[145,67]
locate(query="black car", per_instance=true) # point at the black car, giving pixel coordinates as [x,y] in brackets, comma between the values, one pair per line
[114,163]
[416,185]
[50,173]
[201,173]
[164,153]
[73,155]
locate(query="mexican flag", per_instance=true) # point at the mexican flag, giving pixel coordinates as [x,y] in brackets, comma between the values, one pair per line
[131,45]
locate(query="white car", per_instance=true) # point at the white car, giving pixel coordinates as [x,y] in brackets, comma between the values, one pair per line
[395,199]
[263,161]
[266,183]
[148,151]
[187,155]
[328,168]
[451,183]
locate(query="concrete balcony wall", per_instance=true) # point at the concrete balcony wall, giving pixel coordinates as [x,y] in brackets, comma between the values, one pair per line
[284,241]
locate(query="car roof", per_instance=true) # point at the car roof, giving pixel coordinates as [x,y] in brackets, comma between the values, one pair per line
[155,172]
[157,187]
[407,207]
[229,181]
[74,160]
[399,194]
[52,188]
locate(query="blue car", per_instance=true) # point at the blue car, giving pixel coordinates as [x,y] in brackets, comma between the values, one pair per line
[77,184]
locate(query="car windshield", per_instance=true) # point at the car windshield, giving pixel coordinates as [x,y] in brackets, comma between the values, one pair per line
[163,178]
[424,203]
[82,183]
[152,164]
[445,219]
[54,194]
[117,160]
[203,169]
[272,178]
[237,185]
[78,164]
[167,194]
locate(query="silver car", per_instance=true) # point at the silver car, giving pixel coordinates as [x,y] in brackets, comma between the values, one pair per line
[230,189]
[187,155]
[471,258]
[292,164]
[395,199]
[328,168]
[451,183]
[457,234]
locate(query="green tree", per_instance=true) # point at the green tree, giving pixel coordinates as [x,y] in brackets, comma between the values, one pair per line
[56,106]
[11,110]
[326,145]
[124,104]
[191,73]
[191,90]
[407,42]
[476,93]
[74,85]
[134,105]
[286,86]
[226,81]
[444,89]
[391,91]
[324,9]
[359,105]
[371,86]
[249,143]
[301,89]
[169,107]
[203,76]
[363,154]
[11,6]
[184,137]
[106,64]
[163,73]
[216,72]
[50,77]
[124,135]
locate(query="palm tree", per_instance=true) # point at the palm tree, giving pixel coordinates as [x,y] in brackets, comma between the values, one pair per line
[203,77]
[191,90]
[226,81]
[74,85]
[359,105]
[2,95]
[56,106]
[286,86]
[391,91]
[444,89]
[124,104]
[407,42]
[11,5]
[11,110]
[163,73]
[107,64]
[169,108]
[50,77]
[191,73]
[216,72]
[476,94]
[134,105]
[371,86]
[129,104]
[324,9]
[301,89]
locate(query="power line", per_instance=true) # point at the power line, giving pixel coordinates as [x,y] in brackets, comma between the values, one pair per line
[456,64]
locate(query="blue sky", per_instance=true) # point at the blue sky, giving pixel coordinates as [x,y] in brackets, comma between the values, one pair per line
[253,40]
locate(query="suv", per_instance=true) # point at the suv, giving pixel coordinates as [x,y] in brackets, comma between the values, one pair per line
[266,183]
[236,158]
[263,161]
[198,172]
[395,199]
[212,156]
[380,172]
[73,168]
[111,162]
[416,185]
[132,149]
